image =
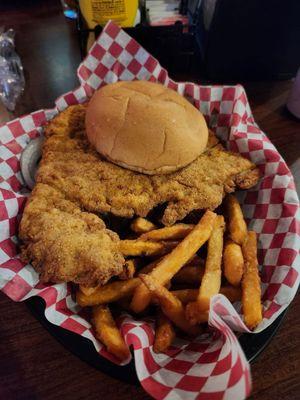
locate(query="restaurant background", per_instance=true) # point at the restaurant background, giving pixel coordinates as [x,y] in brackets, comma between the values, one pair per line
[50,70]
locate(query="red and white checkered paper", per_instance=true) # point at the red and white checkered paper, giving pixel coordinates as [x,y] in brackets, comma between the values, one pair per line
[213,366]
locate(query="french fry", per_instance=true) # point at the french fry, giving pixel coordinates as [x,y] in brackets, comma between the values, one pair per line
[128,269]
[251,291]
[173,262]
[108,293]
[175,232]
[211,281]
[233,262]
[87,291]
[108,333]
[170,305]
[148,268]
[142,248]
[141,299]
[188,295]
[141,225]
[189,274]
[112,291]
[236,224]
[164,333]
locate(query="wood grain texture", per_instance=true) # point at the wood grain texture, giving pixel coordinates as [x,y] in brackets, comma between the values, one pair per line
[33,365]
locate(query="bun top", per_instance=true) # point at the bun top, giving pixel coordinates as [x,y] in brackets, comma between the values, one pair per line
[145,127]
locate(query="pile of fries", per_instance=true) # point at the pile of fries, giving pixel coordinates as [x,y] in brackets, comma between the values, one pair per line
[178,282]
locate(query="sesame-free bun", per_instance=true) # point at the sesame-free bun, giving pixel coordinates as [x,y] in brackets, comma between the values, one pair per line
[145,127]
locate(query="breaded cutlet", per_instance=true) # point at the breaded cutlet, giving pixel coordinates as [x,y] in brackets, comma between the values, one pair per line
[73,167]
[65,244]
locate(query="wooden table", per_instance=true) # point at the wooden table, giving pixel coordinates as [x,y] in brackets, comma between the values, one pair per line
[33,365]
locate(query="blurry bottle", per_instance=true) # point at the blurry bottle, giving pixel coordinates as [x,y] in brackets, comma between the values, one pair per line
[125,13]
[99,12]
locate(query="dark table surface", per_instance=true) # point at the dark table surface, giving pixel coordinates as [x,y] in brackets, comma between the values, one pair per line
[33,365]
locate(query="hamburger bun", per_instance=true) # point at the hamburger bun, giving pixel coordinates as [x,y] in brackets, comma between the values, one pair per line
[145,127]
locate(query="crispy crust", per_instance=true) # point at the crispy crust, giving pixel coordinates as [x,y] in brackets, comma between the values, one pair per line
[65,244]
[63,235]
[73,167]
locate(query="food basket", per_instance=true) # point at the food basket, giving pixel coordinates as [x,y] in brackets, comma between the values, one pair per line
[213,365]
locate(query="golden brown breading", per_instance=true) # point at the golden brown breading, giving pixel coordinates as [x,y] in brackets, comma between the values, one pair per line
[71,166]
[66,244]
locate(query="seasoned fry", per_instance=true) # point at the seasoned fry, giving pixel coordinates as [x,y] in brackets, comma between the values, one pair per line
[141,225]
[164,333]
[175,232]
[233,261]
[108,293]
[142,248]
[108,333]
[170,305]
[129,269]
[236,224]
[251,291]
[141,299]
[113,291]
[188,295]
[173,262]
[189,274]
[211,281]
